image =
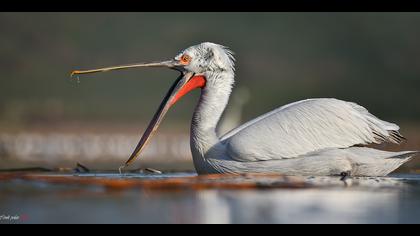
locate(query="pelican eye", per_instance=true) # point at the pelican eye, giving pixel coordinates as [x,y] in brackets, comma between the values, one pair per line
[185,59]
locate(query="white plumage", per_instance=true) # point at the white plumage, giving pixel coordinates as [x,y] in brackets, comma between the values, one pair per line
[309,137]
[312,137]
[306,126]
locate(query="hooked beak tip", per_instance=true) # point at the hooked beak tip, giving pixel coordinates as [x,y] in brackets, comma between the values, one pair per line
[75,72]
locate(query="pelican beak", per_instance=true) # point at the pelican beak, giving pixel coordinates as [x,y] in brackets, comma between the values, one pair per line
[185,83]
[172,64]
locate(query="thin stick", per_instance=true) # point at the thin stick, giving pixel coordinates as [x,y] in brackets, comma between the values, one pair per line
[121,168]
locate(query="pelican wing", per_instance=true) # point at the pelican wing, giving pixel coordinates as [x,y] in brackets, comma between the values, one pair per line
[307,126]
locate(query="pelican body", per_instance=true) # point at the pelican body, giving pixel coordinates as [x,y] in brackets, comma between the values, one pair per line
[316,137]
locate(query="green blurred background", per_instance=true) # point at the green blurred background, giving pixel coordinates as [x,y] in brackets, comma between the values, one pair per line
[369,58]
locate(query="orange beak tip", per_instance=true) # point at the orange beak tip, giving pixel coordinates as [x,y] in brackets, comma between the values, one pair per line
[74,73]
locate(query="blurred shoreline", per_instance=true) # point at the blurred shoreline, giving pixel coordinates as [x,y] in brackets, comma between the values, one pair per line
[104,146]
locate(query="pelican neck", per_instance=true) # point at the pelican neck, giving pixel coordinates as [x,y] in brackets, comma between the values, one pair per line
[212,103]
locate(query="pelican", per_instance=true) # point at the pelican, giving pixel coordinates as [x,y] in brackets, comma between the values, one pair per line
[313,137]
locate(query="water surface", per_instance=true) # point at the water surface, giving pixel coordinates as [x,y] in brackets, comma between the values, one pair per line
[394,199]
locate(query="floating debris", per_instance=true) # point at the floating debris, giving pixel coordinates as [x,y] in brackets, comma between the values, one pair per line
[167,181]
[81,168]
[154,171]
[218,181]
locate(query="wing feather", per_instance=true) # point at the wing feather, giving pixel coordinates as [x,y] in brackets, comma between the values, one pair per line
[306,126]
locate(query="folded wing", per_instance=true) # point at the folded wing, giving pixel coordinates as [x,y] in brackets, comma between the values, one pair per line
[307,126]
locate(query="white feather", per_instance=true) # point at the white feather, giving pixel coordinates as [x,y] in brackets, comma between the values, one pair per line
[358,161]
[306,126]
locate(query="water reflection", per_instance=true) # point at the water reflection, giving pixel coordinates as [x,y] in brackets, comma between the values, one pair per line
[313,206]
[57,204]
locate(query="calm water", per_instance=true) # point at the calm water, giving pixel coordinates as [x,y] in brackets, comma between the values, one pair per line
[388,200]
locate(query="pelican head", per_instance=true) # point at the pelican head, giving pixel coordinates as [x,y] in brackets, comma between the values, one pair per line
[197,65]
[207,58]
